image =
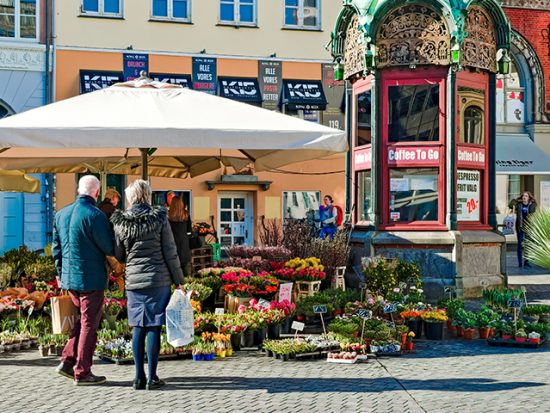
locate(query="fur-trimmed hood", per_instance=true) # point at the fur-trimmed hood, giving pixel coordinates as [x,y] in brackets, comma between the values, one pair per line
[139,220]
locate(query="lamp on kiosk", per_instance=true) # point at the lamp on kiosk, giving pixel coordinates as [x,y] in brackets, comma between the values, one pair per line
[339,70]
[504,63]
[455,51]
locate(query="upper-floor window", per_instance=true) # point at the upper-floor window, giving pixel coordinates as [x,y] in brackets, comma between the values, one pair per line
[303,14]
[102,7]
[238,12]
[172,9]
[510,97]
[18,19]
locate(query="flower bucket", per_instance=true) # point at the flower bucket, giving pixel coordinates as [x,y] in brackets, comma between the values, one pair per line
[274,331]
[285,326]
[259,336]
[209,357]
[484,333]
[247,339]
[434,331]
[469,333]
[43,351]
[415,326]
[459,331]
[197,357]
[222,354]
[236,341]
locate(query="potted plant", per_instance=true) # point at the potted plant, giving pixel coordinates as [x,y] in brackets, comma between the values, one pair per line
[507,329]
[534,337]
[544,314]
[44,345]
[413,320]
[434,320]
[197,351]
[485,320]
[530,314]
[409,343]
[521,336]
[469,324]
[452,306]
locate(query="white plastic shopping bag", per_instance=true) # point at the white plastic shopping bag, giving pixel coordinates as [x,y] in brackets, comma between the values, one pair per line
[508,224]
[180,327]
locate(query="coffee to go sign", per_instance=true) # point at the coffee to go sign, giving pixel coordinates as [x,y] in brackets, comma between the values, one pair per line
[408,156]
[471,157]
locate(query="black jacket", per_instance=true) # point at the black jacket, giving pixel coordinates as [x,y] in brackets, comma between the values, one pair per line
[180,230]
[515,204]
[144,241]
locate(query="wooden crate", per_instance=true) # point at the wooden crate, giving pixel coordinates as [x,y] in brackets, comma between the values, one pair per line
[307,288]
[201,258]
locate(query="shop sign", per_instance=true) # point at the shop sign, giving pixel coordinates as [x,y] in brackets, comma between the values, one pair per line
[362,159]
[242,89]
[271,78]
[92,80]
[182,80]
[204,74]
[413,156]
[304,95]
[471,157]
[468,195]
[334,92]
[134,64]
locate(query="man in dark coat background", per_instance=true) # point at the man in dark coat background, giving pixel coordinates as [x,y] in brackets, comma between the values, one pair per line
[82,239]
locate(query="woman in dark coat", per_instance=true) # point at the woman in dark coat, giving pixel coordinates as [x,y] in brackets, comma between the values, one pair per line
[180,222]
[523,206]
[144,242]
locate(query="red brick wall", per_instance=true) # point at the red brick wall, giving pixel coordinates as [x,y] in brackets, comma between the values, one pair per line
[534,26]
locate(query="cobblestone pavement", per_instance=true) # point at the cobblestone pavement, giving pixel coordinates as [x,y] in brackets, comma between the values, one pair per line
[454,376]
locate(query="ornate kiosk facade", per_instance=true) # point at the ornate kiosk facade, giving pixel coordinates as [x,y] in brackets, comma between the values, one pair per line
[422,128]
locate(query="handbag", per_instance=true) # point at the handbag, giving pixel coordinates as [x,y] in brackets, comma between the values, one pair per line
[508,224]
[64,314]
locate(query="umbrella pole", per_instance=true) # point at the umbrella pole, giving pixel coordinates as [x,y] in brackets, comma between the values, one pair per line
[144,171]
[103,181]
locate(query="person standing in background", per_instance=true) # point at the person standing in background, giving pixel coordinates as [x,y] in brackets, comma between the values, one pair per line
[82,239]
[523,206]
[180,222]
[110,202]
[328,215]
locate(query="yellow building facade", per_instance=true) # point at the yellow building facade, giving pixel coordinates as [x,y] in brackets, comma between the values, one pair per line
[254,51]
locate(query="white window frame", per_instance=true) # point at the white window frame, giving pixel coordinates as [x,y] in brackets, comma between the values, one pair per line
[300,25]
[170,16]
[101,12]
[17,27]
[236,12]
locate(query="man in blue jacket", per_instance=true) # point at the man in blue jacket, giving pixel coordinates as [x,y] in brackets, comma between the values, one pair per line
[82,238]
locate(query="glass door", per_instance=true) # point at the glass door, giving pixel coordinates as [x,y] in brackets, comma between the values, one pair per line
[235,218]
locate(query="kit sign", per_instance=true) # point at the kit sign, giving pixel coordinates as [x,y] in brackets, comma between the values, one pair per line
[468,195]
[91,80]
[333,116]
[471,157]
[304,95]
[409,156]
[240,88]
[362,159]
[174,79]
[134,64]
[270,81]
[204,74]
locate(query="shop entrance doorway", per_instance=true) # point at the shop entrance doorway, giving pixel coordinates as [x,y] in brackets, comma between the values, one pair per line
[235,218]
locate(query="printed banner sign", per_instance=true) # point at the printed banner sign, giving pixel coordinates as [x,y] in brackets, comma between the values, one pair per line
[471,157]
[334,92]
[134,63]
[244,89]
[174,79]
[362,159]
[92,80]
[468,192]
[204,74]
[270,81]
[285,292]
[304,95]
[399,156]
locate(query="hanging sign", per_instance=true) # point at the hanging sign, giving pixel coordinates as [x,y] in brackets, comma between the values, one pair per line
[468,195]
[92,80]
[362,159]
[204,74]
[304,95]
[244,89]
[174,79]
[134,64]
[270,80]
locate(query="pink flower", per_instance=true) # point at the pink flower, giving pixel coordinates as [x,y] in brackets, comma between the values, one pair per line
[396,290]
[370,301]
[241,309]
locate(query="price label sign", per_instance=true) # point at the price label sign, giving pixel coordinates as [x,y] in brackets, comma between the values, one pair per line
[514,303]
[256,258]
[219,311]
[390,308]
[319,309]
[264,303]
[364,314]
[298,326]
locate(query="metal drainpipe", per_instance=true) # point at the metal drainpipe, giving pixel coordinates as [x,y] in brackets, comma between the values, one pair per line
[47,94]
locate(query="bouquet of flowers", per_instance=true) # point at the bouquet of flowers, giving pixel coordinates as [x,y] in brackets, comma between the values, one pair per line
[113,306]
[202,228]
[434,315]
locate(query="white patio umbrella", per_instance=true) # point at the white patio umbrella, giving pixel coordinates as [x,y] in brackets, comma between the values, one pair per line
[145,114]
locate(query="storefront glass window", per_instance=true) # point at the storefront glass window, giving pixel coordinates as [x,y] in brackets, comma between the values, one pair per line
[18,19]
[510,99]
[364,196]
[413,194]
[364,118]
[473,125]
[413,113]
[514,187]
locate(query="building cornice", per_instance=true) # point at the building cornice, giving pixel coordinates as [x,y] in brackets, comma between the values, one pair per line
[526,4]
[22,56]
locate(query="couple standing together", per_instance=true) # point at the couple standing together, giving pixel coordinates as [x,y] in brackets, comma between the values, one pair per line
[144,241]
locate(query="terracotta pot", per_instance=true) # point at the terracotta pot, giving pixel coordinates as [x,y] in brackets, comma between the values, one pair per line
[469,333]
[534,340]
[409,345]
[484,333]
[506,337]
[459,331]
[403,339]
[521,339]
[450,325]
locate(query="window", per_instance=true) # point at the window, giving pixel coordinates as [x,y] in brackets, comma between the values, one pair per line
[179,10]
[413,113]
[364,200]
[414,194]
[473,125]
[102,7]
[301,205]
[303,14]
[238,12]
[510,97]
[18,19]
[363,118]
